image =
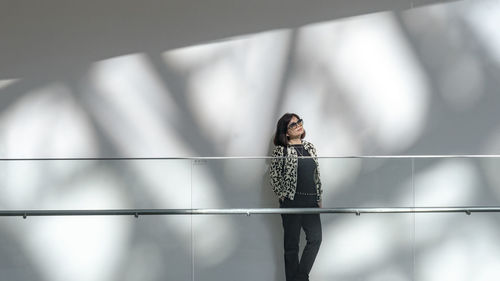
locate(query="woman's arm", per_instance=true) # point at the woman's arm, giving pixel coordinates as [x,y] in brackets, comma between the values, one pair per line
[275,171]
[317,174]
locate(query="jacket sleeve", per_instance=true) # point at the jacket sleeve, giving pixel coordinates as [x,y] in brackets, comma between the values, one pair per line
[318,177]
[276,169]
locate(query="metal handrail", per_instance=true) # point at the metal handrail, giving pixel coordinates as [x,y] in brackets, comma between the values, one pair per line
[251,211]
[254,157]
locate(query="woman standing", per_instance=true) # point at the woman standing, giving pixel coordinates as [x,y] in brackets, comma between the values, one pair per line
[295,180]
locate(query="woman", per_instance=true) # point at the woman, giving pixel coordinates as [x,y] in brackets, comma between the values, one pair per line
[295,180]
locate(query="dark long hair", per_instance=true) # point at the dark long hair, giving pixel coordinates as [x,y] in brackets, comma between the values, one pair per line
[280,137]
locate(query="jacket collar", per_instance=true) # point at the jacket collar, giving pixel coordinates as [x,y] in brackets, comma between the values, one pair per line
[307,145]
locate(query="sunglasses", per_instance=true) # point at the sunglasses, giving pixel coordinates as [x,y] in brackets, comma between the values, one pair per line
[294,125]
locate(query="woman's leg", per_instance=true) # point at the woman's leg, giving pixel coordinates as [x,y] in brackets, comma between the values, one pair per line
[312,228]
[291,231]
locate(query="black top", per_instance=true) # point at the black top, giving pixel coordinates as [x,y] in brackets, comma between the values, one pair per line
[306,187]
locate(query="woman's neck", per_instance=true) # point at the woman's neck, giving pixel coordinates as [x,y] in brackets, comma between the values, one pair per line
[294,141]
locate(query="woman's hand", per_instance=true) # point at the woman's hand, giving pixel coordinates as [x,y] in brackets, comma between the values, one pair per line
[320,204]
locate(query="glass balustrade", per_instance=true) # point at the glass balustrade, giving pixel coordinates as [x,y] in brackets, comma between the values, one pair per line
[383,218]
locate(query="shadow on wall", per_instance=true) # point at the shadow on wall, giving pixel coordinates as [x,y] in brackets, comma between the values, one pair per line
[58,36]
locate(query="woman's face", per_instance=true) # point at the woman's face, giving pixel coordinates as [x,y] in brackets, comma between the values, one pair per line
[295,128]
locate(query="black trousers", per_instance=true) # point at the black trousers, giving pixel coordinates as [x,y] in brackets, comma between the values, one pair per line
[295,269]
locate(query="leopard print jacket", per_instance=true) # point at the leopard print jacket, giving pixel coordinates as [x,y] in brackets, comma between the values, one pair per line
[284,179]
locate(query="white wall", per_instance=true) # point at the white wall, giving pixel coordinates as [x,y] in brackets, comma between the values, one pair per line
[421,81]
